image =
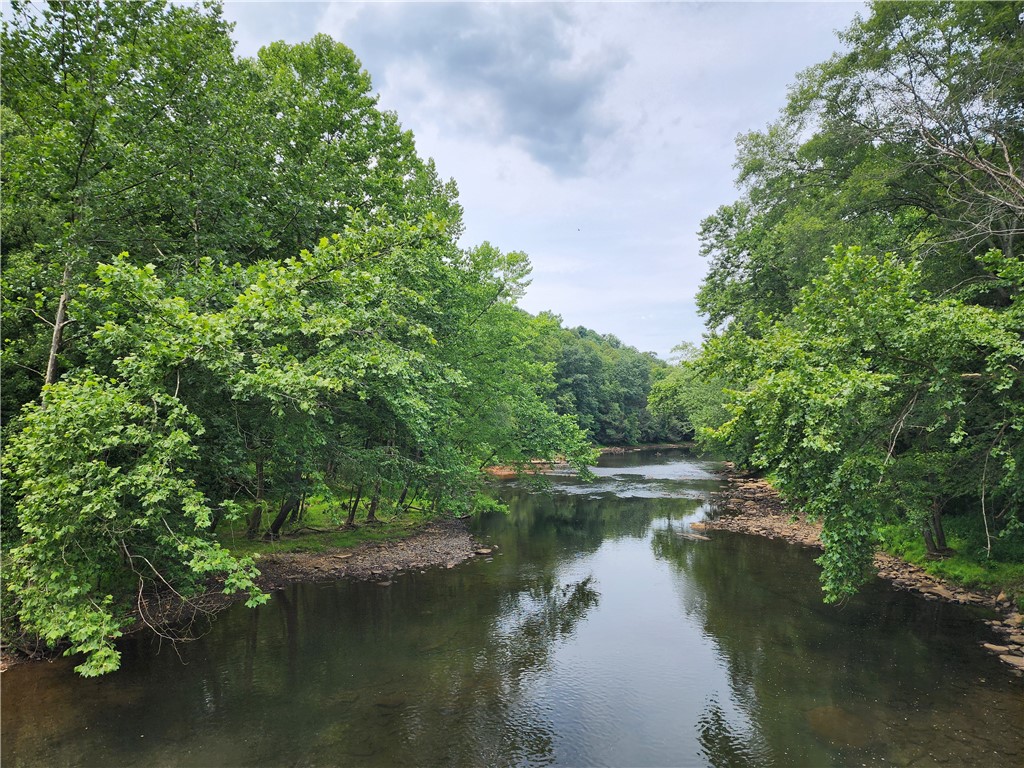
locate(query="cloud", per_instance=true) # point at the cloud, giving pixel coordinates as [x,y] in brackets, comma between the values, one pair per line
[593,136]
[522,73]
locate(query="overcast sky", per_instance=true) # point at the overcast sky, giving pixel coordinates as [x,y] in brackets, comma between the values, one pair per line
[593,136]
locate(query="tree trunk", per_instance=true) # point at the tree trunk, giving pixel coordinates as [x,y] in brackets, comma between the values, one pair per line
[412,497]
[297,512]
[940,534]
[256,518]
[371,514]
[401,498]
[58,326]
[929,542]
[289,505]
[355,505]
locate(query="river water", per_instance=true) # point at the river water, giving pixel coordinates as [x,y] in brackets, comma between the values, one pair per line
[596,635]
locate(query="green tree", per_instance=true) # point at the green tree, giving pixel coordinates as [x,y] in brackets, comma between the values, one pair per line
[290,313]
[879,389]
[107,515]
[876,401]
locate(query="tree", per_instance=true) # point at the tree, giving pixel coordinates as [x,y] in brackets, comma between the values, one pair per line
[106,516]
[879,388]
[259,315]
[876,401]
[907,143]
[603,383]
[689,396]
[109,109]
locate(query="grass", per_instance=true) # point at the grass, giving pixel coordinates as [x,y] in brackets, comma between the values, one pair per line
[329,535]
[970,566]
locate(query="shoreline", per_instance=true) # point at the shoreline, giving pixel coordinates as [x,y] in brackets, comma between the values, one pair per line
[441,543]
[754,507]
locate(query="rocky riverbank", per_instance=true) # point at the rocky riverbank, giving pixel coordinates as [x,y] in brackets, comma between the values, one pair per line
[443,543]
[751,505]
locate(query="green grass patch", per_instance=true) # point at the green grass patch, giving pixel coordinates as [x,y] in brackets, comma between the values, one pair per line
[319,531]
[971,565]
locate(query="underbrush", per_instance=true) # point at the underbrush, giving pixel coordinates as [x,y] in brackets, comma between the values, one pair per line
[970,565]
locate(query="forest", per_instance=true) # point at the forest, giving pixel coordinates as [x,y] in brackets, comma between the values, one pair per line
[865,345]
[231,287]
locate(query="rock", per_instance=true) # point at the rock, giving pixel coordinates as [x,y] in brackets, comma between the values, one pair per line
[1013,661]
[1016,638]
[1001,597]
[995,648]
[1014,620]
[383,583]
[484,551]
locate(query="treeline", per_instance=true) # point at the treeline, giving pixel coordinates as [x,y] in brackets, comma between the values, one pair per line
[865,319]
[605,385]
[229,285]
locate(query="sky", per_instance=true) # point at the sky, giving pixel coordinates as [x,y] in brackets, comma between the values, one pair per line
[593,136]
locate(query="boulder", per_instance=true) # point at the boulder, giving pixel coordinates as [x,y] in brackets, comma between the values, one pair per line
[1013,661]
[995,648]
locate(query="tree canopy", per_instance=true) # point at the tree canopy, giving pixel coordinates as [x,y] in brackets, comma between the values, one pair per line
[229,284]
[863,293]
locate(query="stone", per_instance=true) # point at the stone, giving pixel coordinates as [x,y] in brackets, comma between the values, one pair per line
[483,551]
[1014,620]
[995,648]
[1013,661]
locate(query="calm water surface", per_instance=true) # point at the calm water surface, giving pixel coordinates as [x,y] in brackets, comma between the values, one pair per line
[597,635]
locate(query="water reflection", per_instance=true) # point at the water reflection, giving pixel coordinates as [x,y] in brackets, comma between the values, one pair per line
[887,678]
[598,635]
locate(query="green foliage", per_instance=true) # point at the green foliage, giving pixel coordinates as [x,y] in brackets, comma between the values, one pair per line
[289,316]
[875,401]
[604,384]
[690,397]
[105,513]
[880,390]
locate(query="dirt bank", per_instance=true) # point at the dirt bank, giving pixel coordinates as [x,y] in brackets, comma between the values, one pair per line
[751,505]
[440,544]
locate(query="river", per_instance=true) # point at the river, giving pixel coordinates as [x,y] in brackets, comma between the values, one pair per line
[597,634]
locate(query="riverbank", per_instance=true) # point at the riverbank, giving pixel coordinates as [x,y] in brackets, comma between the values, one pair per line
[440,543]
[751,505]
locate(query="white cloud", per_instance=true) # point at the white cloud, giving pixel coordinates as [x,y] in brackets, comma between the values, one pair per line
[595,137]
